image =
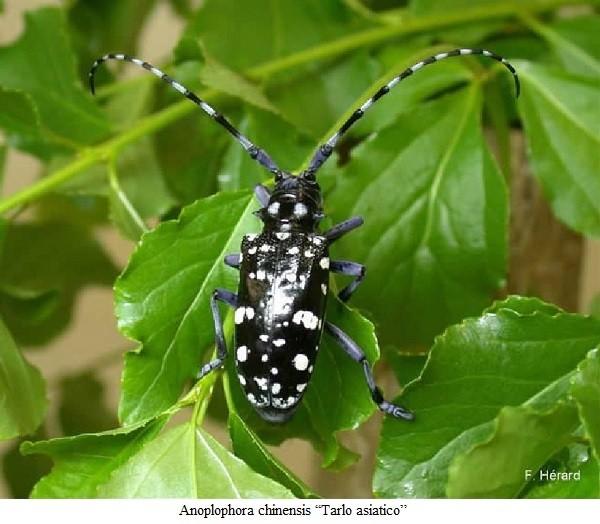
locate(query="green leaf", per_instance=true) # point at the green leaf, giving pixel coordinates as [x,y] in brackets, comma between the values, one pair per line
[140,177]
[581,31]
[312,100]
[20,122]
[122,212]
[406,366]
[85,462]
[412,93]
[434,204]
[214,74]
[523,440]
[190,152]
[248,447]
[162,301]
[2,163]
[42,65]
[107,26]
[186,462]
[22,473]
[568,45]
[43,266]
[82,407]
[574,459]
[466,34]
[521,352]
[585,390]
[559,112]
[22,392]
[264,29]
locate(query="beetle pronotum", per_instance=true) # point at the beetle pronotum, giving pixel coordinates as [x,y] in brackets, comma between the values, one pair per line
[284,270]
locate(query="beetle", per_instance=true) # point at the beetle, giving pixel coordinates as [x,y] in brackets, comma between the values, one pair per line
[279,308]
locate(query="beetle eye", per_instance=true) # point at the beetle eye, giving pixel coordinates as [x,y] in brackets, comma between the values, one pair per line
[300,210]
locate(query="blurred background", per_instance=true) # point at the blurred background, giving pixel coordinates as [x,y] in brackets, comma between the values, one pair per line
[564,267]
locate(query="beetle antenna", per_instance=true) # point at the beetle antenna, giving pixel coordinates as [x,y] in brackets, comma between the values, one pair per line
[255,152]
[325,150]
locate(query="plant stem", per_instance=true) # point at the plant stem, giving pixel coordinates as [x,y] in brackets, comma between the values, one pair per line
[367,38]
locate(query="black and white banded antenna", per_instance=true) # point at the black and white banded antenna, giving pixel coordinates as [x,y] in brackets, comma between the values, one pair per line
[325,150]
[255,152]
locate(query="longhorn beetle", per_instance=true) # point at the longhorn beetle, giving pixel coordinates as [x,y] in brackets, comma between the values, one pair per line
[284,270]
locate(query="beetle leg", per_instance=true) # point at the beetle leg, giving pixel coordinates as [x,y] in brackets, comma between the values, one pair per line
[356,353]
[233,260]
[342,228]
[229,298]
[263,195]
[353,269]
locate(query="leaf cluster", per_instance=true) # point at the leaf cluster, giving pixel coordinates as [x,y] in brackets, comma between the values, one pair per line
[498,388]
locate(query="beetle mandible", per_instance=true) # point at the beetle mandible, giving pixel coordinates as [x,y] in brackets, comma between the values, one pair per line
[284,270]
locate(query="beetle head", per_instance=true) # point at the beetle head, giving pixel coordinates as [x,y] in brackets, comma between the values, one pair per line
[295,204]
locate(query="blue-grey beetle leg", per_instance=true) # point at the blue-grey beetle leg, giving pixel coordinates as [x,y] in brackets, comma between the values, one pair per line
[231,299]
[356,353]
[233,260]
[352,269]
[342,228]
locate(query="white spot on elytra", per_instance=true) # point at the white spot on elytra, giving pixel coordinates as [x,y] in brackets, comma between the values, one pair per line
[261,382]
[239,315]
[309,254]
[242,354]
[300,387]
[251,236]
[324,262]
[300,362]
[265,248]
[324,289]
[286,323]
[251,398]
[290,276]
[252,275]
[243,312]
[275,388]
[310,369]
[274,371]
[279,342]
[242,380]
[282,236]
[260,274]
[265,357]
[264,338]
[317,240]
[252,250]
[293,250]
[307,318]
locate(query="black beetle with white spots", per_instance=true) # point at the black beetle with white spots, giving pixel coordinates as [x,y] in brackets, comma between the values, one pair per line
[279,309]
